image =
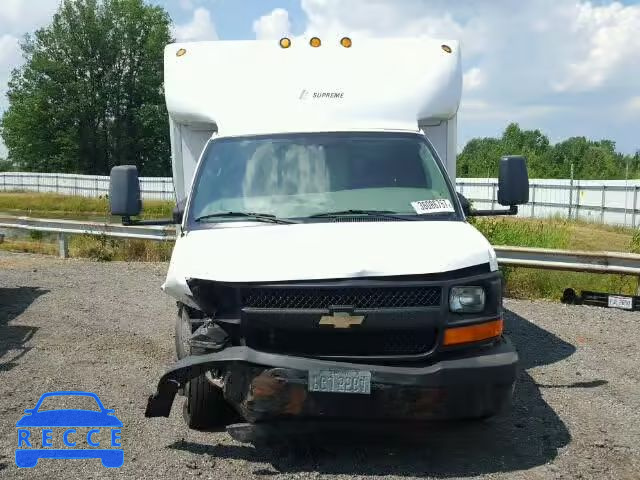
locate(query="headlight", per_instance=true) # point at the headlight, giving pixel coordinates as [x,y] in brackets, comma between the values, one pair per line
[466,299]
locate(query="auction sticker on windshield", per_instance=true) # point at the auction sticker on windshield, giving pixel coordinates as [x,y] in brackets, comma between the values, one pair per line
[438,205]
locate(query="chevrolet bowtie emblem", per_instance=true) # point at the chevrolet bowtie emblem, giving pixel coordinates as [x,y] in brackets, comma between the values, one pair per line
[341,320]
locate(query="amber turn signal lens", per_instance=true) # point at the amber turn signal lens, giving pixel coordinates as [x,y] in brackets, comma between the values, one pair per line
[285,42]
[473,333]
[315,42]
[181,52]
[345,42]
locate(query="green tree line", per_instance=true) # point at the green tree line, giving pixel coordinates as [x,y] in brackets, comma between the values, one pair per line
[595,160]
[90,95]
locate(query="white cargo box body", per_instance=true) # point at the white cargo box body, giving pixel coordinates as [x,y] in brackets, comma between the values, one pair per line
[257,87]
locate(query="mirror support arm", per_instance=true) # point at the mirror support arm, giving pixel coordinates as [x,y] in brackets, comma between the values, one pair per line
[513,210]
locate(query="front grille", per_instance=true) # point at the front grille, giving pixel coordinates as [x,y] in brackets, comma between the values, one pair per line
[343,343]
[323,298]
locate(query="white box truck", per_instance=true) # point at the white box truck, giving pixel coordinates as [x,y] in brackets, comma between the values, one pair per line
[324,267]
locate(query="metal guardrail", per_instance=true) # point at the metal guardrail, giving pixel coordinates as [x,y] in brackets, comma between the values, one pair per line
[66,227]
[88,228]
[569,260]
[577,261]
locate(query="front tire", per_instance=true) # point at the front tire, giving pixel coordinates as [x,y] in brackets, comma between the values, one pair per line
[204,407]
[184,329]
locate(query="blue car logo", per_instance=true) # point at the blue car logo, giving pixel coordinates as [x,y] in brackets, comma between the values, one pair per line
[32,447]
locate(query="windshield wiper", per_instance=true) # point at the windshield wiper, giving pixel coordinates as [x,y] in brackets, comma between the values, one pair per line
[373,213]
[263,217]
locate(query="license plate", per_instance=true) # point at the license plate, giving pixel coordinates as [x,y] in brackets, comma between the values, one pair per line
[621,302]
[340,381]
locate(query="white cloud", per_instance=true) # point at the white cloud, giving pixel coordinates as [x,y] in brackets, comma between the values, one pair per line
[200,27]
[546,62]
[483,111]
[475,105]
[10,57]
[272,26]
[9,51]
[18,17]
[555,44]
[632,106]
[473,79]
[611,48]
[387,18]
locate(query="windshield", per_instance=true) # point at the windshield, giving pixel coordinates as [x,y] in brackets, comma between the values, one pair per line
[301,175]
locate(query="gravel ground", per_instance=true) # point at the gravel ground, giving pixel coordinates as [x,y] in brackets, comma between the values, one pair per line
[108,328]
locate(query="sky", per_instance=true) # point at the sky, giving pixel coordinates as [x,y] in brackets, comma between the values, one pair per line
[567,67]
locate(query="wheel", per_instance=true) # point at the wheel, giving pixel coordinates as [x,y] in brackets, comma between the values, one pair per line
[184,329]
[204,407]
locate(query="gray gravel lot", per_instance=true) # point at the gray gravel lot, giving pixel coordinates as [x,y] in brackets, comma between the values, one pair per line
[108,328]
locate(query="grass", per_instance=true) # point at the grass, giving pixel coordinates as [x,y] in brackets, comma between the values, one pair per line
[104,248]
[29,246]
[87,246]
[521,282]
[560,234]
[530,283]
[100,248]
[524,232]
[54,205]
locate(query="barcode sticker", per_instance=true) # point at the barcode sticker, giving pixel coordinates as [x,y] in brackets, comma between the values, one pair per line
[438,205]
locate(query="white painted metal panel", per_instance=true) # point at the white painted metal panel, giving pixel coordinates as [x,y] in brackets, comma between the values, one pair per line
[247,87]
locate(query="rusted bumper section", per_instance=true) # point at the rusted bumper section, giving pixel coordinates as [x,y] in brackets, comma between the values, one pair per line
[265,386]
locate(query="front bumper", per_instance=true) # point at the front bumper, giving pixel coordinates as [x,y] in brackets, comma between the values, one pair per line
[265,386]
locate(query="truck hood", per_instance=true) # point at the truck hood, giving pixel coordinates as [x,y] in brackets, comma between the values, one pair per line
[259,252]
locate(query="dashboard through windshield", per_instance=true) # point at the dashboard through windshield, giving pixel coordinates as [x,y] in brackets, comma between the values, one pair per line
[310,176]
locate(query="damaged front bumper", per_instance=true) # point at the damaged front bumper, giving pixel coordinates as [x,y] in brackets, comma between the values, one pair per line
[265,386]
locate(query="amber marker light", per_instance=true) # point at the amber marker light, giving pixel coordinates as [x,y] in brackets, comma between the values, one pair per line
[315,42]
[181,52]
[285,42]
[473,333]
[345,42]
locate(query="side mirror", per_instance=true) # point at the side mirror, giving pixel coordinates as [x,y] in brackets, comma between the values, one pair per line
[513,181]
[466,206]
[124,192]
[178,211]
